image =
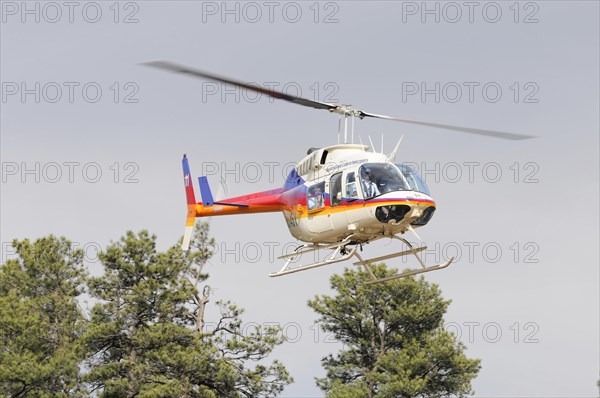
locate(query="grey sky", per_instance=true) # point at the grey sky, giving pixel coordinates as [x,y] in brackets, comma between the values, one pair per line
[528,237]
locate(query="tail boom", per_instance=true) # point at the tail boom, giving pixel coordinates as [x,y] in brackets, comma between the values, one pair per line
[259,202]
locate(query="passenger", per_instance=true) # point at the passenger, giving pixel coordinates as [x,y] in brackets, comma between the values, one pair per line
[316,201]
[351,188]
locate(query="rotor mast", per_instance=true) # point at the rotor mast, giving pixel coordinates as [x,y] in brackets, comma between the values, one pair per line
[348,112]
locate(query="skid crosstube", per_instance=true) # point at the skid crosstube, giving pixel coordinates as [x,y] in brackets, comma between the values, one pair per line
[340,253]
[333,258]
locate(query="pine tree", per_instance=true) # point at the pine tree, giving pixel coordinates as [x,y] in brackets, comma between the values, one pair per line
[40,321]
[147,335]
[394,341]
[232,348]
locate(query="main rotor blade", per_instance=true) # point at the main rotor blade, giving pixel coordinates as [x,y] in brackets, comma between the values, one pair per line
[275,94]
[489,133]
[341,109]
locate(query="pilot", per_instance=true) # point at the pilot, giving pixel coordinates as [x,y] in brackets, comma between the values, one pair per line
[369,186]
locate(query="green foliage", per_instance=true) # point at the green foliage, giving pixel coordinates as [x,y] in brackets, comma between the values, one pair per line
[141,317]
[394,341]
[40,321]
[233,349]
[229,349]
[146,337]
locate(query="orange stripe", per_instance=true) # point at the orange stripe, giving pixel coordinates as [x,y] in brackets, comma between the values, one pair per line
[220,210]
[353,206]
[302,211]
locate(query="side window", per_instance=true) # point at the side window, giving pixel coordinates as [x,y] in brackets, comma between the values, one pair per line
[335,187]
[314,196]
[351,191]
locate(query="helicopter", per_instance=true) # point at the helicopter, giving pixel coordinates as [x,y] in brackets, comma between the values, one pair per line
[336,199]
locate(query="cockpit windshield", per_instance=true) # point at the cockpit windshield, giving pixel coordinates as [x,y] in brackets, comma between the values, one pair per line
[379,178]
[413,178]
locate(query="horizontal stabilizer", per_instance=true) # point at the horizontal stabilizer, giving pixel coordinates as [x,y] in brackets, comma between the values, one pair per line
[230,204]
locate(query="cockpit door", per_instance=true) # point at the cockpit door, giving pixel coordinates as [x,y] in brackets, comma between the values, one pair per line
[319,216]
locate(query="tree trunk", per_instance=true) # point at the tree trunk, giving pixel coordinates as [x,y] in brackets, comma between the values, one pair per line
[132,378]
[199,313]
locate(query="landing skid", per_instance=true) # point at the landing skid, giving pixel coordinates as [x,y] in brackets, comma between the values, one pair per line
[341,252]
[412,250]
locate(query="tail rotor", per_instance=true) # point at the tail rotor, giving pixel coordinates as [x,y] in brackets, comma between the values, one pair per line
[191,204]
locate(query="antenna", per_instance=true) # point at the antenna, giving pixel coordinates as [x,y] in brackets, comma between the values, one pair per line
[392,156]
[372,146]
